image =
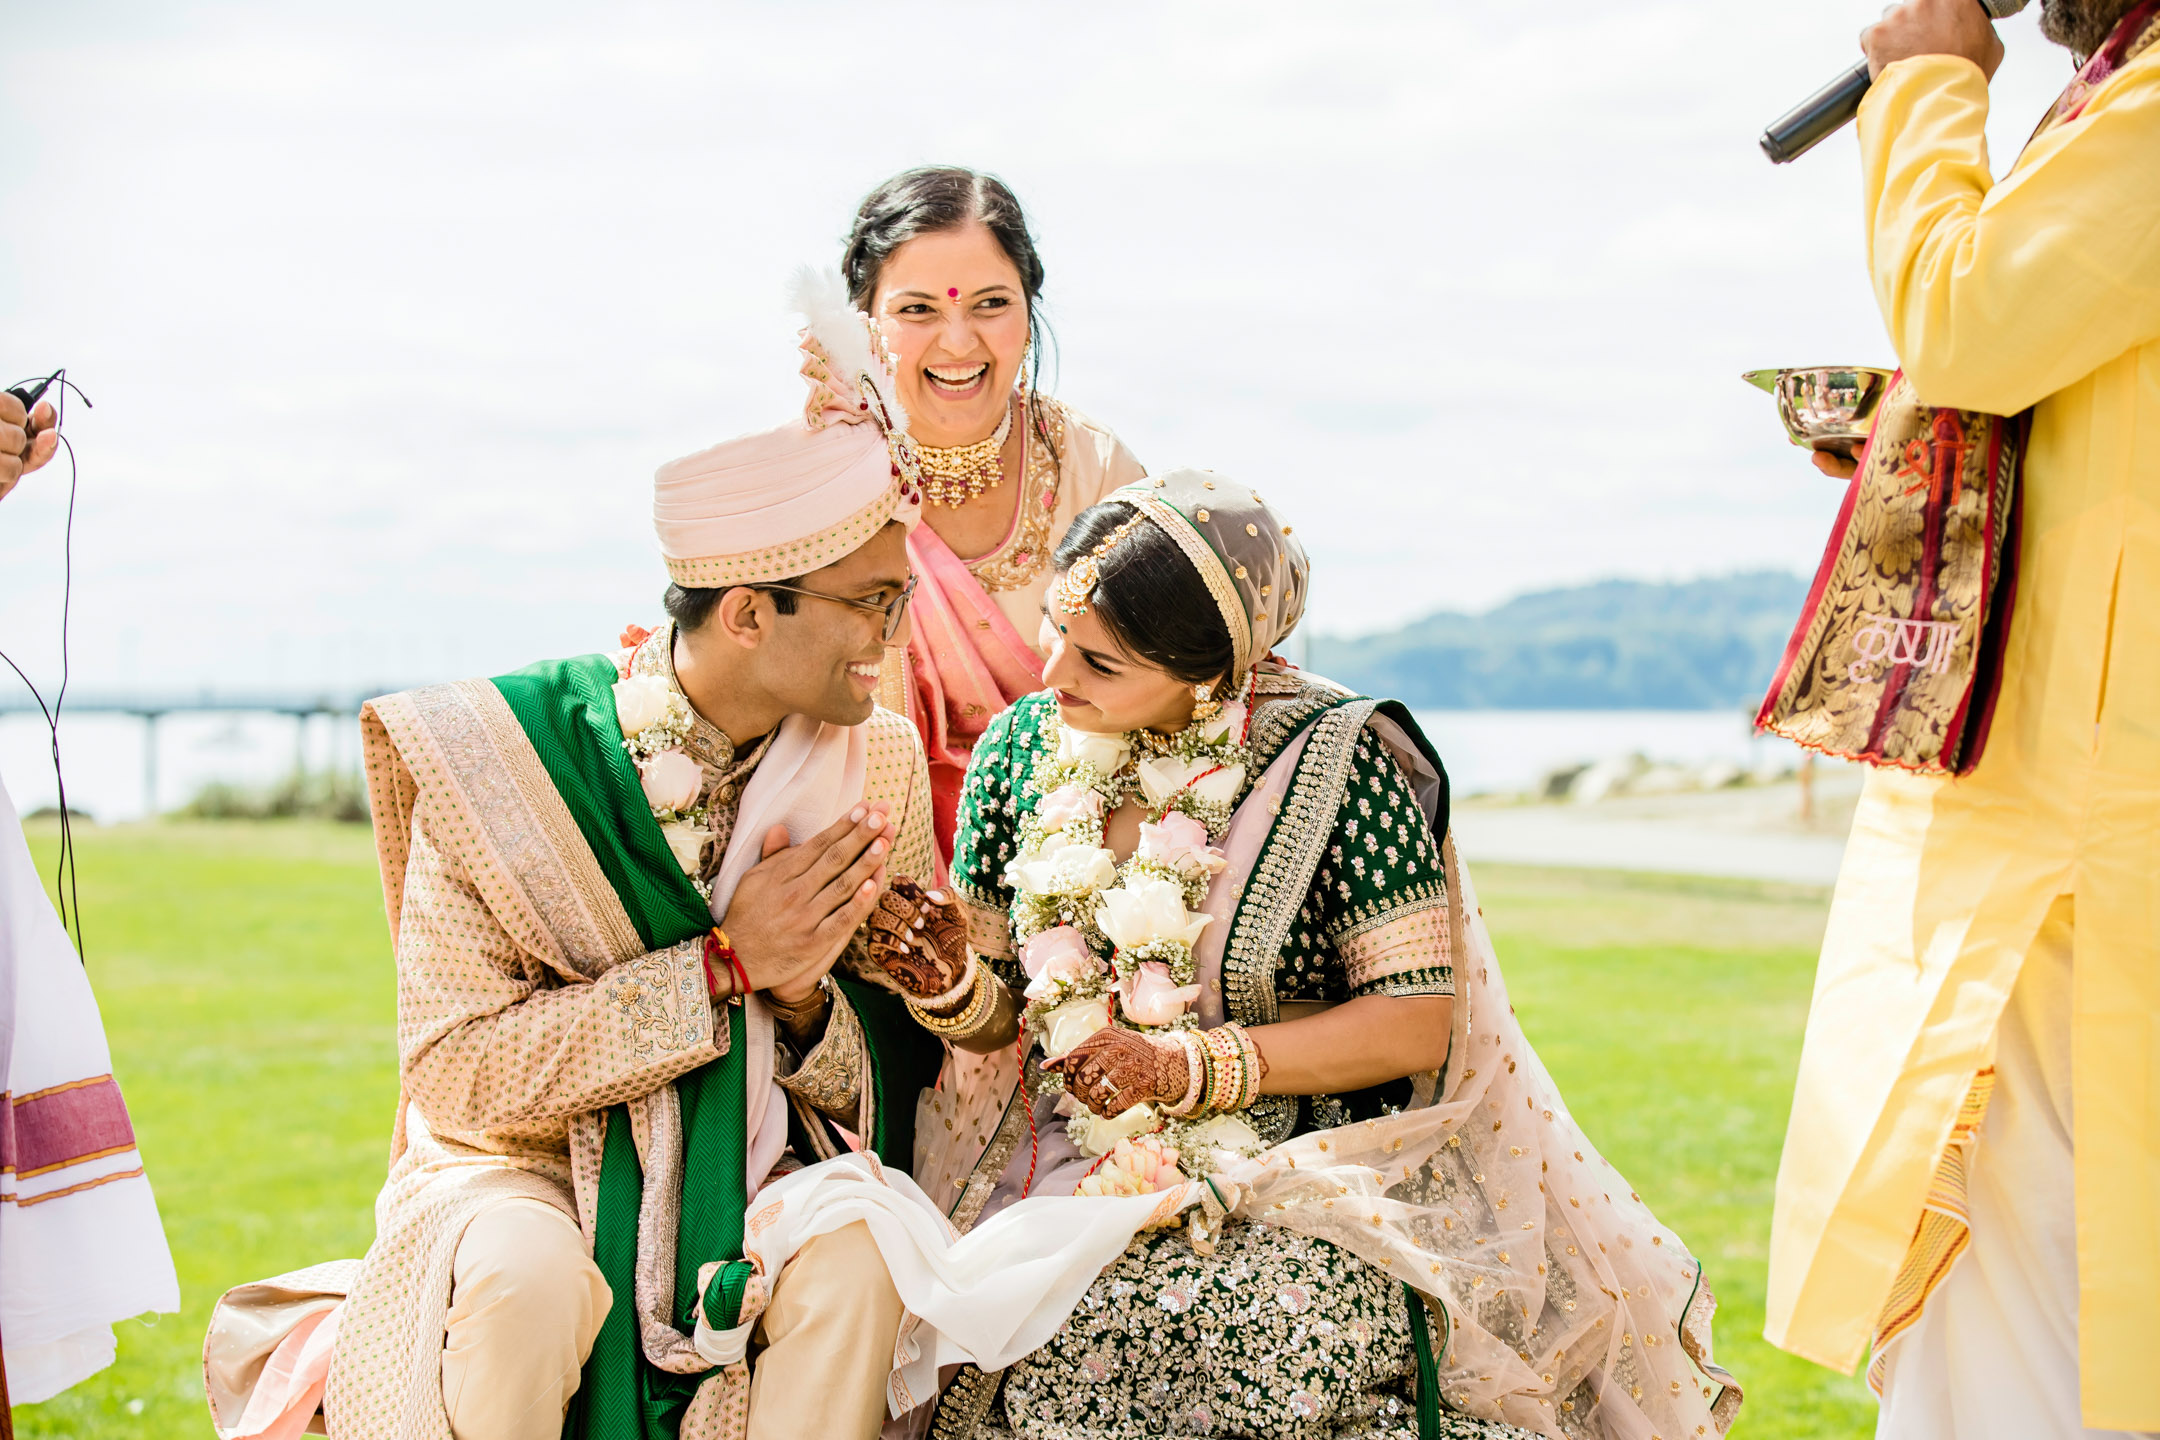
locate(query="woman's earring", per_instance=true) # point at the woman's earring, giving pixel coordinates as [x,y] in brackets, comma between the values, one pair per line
[1205,705]
[1027,347]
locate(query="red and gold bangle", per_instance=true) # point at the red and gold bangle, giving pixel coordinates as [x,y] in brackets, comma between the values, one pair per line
[1223,1062]
[1240,1080]
[1233,1067]
[1211,1093]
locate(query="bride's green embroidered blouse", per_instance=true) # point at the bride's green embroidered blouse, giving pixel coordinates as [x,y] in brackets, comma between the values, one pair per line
[1374,921]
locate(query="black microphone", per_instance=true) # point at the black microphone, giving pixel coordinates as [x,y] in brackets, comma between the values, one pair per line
[32,391]
[1833,107]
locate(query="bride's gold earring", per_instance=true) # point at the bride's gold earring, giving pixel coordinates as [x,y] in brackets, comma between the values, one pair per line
[1205,706]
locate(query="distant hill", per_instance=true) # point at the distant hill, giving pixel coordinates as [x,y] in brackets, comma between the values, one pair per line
[1614,645]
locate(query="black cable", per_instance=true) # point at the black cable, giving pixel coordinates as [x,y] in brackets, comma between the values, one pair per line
[65,881]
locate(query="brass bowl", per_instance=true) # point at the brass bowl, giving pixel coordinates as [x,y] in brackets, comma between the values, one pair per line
[1825,407]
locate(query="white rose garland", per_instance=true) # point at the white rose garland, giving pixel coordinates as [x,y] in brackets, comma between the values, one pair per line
[1111,944]
[655,719]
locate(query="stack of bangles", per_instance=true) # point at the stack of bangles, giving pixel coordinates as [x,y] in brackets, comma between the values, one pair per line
[1225,1069]
[976,986]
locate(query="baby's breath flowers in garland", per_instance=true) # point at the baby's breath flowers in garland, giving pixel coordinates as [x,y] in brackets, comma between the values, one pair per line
[1110,944]
[655,719]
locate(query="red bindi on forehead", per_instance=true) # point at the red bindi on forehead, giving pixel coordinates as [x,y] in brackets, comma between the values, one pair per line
[952,292]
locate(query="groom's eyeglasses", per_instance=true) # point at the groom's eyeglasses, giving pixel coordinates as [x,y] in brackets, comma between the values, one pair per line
[894,610]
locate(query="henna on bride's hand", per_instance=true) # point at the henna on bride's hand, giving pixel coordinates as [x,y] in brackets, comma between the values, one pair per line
[919,938]
[1115,1069]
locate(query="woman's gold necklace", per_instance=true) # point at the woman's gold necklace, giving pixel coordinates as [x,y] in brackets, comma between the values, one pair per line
[955,476]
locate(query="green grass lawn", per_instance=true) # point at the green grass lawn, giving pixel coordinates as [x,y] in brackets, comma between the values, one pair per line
[246,982]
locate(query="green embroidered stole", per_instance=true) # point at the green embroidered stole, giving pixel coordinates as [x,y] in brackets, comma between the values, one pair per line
[566,709]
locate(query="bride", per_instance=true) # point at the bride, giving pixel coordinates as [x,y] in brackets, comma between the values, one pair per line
[1218,897]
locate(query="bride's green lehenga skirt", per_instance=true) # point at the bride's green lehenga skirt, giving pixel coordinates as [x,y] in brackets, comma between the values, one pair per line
[1276,1336]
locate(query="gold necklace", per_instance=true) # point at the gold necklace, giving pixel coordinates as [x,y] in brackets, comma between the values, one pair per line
[952,477]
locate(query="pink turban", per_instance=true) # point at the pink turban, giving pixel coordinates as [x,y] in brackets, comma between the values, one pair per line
[798,497]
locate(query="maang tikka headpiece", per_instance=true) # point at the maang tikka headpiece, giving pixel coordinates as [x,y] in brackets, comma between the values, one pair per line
[1071,591]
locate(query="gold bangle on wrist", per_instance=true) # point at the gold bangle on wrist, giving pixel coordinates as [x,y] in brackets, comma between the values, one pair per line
[1240,1072]
[1223,1084]
[1211,1081]
[973,1016]
[1249,1059]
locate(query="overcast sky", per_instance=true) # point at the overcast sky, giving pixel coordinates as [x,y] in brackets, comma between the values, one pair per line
[389,311]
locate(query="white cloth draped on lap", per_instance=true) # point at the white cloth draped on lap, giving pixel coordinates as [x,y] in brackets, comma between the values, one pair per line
[1571,1309]
[80,1243]
[990,1296]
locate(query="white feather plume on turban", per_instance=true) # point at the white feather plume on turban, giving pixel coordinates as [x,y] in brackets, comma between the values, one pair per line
[800,496]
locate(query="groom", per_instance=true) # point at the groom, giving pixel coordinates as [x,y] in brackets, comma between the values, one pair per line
[595,1074]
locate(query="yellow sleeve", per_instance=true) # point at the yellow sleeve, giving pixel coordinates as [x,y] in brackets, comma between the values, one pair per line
[1998,295]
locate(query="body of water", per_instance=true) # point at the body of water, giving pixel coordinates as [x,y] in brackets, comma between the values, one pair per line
[109,765]
[1509,750]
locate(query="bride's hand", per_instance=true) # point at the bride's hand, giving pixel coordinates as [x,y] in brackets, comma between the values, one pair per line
[1114,1069]
[919,938]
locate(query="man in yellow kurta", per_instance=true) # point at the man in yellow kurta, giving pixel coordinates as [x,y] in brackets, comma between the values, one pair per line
[1972,1173]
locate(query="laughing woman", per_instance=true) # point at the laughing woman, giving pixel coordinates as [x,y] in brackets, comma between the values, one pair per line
[1249,957]
[943,258]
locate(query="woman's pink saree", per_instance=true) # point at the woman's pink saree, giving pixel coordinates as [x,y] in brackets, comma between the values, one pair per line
[965,663]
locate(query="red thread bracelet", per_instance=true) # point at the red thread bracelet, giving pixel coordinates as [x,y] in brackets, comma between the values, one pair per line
[718,948]
[712,953]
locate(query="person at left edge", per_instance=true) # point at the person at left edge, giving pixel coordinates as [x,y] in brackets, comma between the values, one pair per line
[27,439]
[619,886]
[81,1246]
